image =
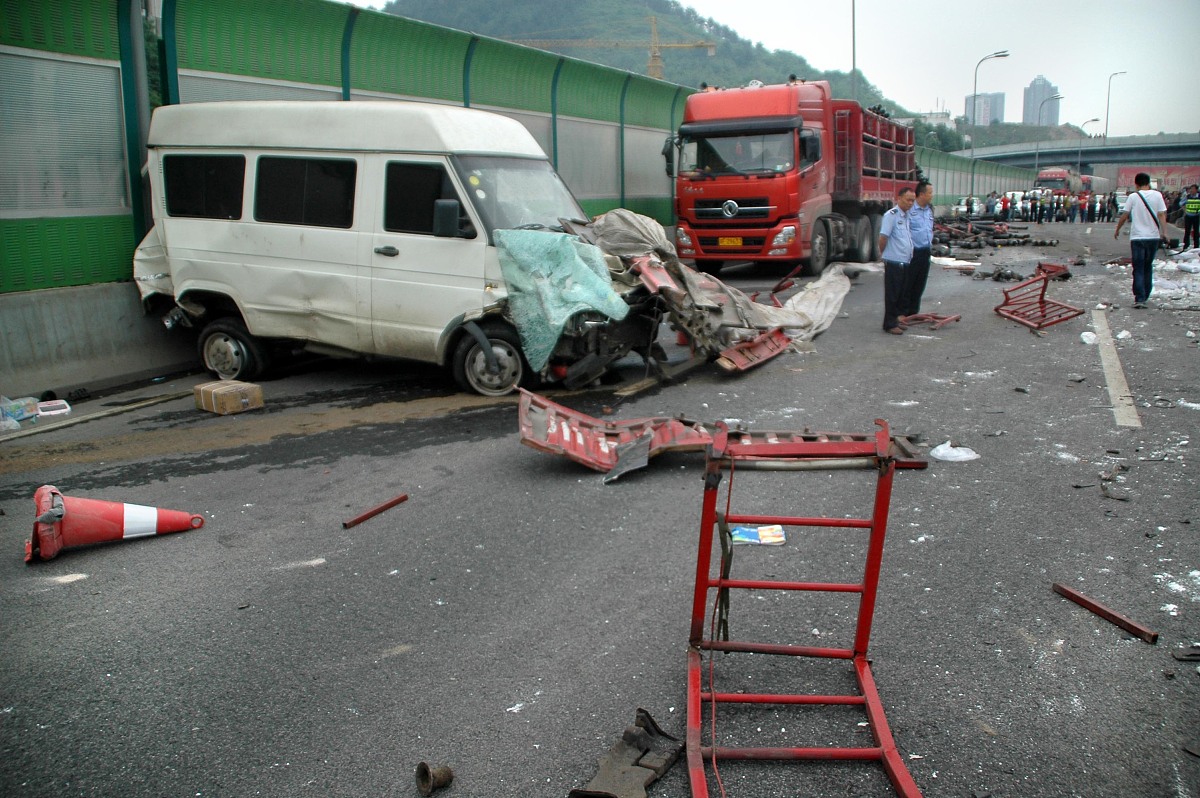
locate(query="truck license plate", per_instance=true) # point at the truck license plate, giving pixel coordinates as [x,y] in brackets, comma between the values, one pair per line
[729,241]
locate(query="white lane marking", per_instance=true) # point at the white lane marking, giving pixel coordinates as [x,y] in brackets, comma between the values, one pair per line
[1124,411]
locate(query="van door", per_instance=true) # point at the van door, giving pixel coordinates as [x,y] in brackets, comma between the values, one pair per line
[421,283]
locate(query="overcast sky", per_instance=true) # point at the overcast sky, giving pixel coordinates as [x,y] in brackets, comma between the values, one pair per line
[922,55]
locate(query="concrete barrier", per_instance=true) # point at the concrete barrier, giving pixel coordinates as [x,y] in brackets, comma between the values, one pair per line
[92,338]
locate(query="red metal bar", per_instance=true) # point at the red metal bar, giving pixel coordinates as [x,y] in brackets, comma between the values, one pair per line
[776,648]
[792,754]
[789,520]
[374,511]
[769,698]
[893,763]
[768,584]
[1112,616]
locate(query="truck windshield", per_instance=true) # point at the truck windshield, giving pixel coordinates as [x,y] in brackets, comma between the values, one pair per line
[738,154]
[1052,183]
[517,192]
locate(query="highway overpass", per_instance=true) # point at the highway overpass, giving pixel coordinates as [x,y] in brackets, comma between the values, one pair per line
[1162,148]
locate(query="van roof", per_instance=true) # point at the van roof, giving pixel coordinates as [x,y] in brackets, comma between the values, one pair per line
[354,125]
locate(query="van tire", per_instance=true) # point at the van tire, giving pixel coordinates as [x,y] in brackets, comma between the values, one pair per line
[469,364]
[228,350]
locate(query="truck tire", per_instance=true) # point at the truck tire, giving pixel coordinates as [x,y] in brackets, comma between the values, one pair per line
[470,362]
[863,248]
[229,350]
[876,226]
[818,257]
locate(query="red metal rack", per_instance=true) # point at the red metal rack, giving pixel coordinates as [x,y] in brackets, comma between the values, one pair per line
[726,454]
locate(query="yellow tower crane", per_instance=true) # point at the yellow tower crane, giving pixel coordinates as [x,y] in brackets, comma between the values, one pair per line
[654,68]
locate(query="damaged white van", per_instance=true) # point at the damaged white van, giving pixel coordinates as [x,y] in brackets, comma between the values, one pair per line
[358,229]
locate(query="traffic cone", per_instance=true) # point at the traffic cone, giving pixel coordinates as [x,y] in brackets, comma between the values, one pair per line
[63,521]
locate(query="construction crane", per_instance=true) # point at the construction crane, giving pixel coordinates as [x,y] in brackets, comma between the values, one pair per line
[654,68]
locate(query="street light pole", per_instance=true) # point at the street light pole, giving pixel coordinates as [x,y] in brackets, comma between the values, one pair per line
[854,50]
[1079,155]
[1037,152]
[975,114]
[1107,101]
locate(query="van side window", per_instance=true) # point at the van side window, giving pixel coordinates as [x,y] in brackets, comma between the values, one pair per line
[204,186]
[310,191]
[409,196]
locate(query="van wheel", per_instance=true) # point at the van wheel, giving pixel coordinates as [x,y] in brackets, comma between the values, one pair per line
[230,351]
[471,367]
[818,257]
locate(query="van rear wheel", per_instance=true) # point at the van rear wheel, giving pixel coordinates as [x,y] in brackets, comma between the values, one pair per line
[470,364]
[230,351]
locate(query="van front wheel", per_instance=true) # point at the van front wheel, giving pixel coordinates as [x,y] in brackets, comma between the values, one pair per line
[230,351]
[470,365]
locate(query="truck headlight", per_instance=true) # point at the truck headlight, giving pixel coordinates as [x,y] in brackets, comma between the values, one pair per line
[682,238]
[785,237]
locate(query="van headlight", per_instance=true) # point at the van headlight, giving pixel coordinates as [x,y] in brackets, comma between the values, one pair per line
[785,237]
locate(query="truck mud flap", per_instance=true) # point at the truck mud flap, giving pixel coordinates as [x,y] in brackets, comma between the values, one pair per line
[614,448]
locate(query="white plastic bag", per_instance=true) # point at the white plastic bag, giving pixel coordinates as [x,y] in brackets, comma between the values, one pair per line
[953,454]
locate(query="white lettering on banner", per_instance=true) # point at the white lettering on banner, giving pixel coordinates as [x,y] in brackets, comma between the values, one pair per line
[140,521]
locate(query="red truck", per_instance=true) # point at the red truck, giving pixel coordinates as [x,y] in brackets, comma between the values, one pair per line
[1061,180]
[783,173]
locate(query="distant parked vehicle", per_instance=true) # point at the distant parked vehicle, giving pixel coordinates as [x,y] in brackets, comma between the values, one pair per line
[960,207]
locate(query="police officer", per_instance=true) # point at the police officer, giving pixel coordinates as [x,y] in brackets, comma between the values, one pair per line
[920,224]
[1191,216]
[895,242]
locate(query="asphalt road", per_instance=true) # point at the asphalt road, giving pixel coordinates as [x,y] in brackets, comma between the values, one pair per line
[509,618]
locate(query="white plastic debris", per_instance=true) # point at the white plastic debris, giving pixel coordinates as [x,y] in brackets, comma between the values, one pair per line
[1088,337]
[1124,335]
[953,454]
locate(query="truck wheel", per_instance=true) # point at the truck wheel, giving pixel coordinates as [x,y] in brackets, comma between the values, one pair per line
[818,257]
[862,240]
[470,364]
[876,226]
[230,351]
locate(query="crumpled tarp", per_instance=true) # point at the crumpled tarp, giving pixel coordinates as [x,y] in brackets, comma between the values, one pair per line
[550,278]
[628,235]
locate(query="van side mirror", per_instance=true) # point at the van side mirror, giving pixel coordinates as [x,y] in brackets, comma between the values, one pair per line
[445,218]
[668,152]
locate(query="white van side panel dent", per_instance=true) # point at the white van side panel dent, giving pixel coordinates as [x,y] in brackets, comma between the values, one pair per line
[289,281]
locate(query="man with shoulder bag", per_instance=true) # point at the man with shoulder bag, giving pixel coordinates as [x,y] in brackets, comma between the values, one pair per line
[1146,211]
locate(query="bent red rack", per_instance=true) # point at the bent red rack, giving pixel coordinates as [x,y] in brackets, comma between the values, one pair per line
[711,597]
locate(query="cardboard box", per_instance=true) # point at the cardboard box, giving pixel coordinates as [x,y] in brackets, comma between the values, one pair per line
[224,397]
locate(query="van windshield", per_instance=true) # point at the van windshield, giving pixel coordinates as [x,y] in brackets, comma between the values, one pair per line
[517,192]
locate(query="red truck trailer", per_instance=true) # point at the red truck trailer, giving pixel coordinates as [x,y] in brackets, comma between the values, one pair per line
[783,173]
[1061,180]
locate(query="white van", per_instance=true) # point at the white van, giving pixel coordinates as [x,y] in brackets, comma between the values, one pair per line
[349,228]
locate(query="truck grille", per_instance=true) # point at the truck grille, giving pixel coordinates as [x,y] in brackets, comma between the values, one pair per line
[745,208]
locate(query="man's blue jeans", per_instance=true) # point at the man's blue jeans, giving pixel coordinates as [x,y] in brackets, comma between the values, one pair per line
[1142,257]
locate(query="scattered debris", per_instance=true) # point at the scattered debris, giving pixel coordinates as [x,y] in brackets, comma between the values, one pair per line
[1134,628]
[768,535]
[615,448]
[953,454]
[643,754]
[1026,303]
[374,511]
[224,397]
[433,777]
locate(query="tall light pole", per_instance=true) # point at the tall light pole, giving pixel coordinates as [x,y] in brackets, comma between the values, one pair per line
[975,110]
[854,50]
[1107,101]
[1079,155]
[1037,152]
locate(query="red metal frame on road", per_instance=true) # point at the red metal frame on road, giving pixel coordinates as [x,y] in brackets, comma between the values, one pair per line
[727,454]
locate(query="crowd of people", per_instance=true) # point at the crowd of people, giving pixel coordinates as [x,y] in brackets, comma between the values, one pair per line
[1043,207]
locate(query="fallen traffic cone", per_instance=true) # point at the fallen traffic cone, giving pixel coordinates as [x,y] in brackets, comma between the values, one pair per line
[63,521]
